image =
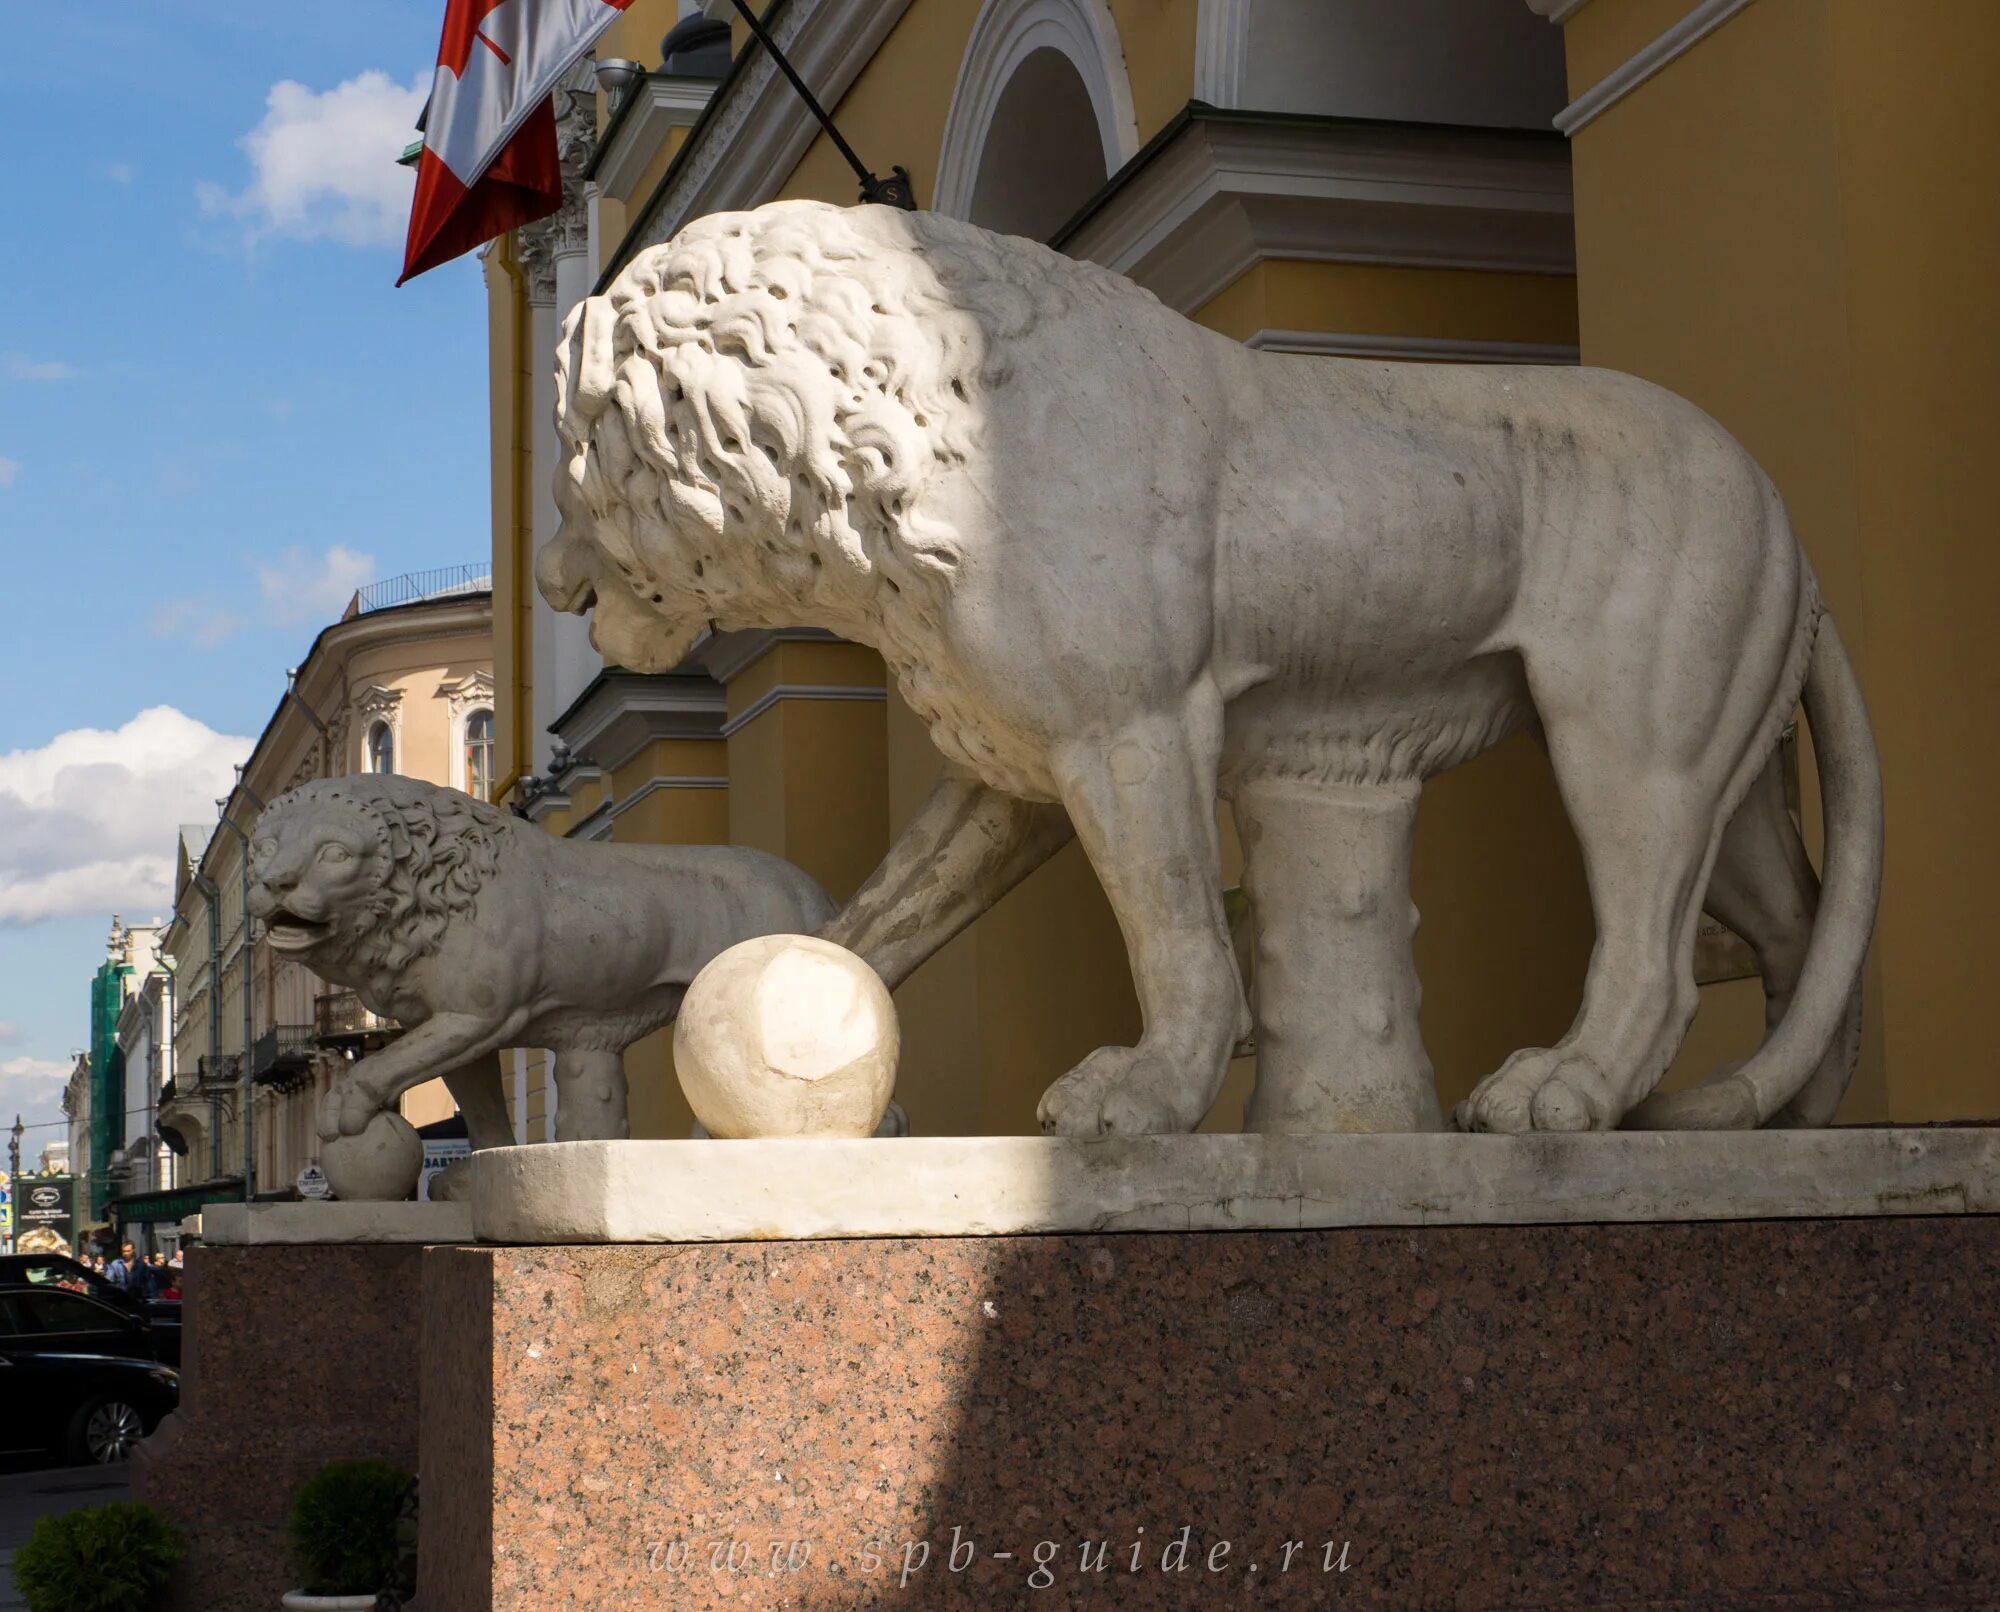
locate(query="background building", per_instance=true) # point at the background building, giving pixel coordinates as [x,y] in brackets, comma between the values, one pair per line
[1764,204]
[402,683]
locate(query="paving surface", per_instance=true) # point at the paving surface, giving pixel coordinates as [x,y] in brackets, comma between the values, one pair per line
[26,1496]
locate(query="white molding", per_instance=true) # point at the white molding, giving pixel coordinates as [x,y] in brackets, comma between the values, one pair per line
[1621,81]
[1227,192]
[1221,49]
[597,825]
[756,128]
[622,713]
[1004,35]
[1419,349]
[659,105]
[800,691]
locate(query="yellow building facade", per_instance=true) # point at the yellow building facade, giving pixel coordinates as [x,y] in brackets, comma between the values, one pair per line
[402,683]
[1688,189]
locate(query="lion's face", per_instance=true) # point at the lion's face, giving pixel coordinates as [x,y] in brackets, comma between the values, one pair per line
[638,621]
[760,421]
[316,872]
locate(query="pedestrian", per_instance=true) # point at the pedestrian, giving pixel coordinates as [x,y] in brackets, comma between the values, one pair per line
[124,1272]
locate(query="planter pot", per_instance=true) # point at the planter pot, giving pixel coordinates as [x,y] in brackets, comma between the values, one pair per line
[299,1601]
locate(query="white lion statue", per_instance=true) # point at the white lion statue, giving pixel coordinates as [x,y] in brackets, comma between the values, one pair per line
[1122,566]
[477,932]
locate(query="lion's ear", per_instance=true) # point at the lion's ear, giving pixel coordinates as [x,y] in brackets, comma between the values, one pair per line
[592,357]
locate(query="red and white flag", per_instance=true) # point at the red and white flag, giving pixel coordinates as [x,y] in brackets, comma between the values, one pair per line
[489,159]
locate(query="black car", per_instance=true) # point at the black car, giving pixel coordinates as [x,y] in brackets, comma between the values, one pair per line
[60,1271]
[40,1318]
[80,1407]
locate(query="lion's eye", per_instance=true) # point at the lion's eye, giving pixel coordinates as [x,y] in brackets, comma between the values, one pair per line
[335,853]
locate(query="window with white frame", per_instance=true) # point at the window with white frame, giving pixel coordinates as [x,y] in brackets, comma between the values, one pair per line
[479,755]
[381,748]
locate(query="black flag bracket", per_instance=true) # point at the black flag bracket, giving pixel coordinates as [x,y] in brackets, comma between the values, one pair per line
[896,190]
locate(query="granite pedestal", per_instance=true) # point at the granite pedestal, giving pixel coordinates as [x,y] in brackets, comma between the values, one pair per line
[291,1357]
[1723,1415]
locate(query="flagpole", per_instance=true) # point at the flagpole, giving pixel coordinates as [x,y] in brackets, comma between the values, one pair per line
[896,190]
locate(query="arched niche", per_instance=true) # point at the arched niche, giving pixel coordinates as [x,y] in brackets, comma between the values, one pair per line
[1041,115]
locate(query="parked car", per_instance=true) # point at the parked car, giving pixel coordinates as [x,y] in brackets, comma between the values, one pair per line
[80,1407]
[43,1319]
[60,1271]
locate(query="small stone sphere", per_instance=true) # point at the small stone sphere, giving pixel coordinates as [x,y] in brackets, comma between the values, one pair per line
[787,1035]
[381,1165]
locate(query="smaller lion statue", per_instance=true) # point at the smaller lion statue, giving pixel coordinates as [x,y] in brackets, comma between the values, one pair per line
[477,932]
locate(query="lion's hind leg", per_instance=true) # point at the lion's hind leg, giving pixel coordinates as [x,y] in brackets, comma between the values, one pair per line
[1647,834]
[1765,889]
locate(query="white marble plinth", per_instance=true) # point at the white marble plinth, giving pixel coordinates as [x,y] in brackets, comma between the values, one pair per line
[746,1191]
[239,1225]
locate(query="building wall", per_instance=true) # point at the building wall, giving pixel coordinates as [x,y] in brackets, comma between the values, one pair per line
[1791,224]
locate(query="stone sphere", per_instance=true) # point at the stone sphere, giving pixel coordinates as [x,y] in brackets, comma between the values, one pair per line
[787,1035]
[381,1165]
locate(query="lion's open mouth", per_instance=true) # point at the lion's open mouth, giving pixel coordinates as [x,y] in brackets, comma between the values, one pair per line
[291,932]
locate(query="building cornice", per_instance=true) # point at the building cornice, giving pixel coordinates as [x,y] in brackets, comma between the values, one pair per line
[1217,192]
[728,655]
[755,128]
[1622,80]
[1420,349]
[620,713]
[781,692]
[656,106]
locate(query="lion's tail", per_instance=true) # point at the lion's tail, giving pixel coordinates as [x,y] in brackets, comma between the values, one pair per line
[1851,788]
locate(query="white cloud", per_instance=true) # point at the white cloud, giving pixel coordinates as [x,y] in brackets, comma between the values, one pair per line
[323,163]
[9,469]
[89,822]
[200,621]
[35,1069]
[303,586]
[22,368]
[121,173]
[10,1032]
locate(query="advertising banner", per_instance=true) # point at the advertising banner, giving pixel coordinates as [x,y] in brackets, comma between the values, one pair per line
[45,1214]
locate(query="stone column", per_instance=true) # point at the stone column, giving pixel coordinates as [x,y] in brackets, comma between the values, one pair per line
[556,252]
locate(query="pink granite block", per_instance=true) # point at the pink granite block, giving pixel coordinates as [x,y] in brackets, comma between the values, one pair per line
[292,1357]
[1727,1417]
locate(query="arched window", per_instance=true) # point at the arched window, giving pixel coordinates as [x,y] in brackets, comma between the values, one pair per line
[381,748]
[479,755]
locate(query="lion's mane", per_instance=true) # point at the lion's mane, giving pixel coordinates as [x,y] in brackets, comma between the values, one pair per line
[798,377]
[441,847]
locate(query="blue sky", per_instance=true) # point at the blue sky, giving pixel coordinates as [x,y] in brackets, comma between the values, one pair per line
[217,415]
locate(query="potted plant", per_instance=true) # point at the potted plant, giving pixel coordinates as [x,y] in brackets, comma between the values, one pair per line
[344,1535]
[110,1558]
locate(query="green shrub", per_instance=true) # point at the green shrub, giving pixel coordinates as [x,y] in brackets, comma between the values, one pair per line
[344,1527]
[110,1558]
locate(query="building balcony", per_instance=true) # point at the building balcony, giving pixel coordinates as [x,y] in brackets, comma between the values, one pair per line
[283,1056]
[215,1072]
[341,1022]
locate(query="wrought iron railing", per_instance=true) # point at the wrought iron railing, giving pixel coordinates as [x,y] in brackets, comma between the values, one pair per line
[442,582]
[283,1055]
[339,1017]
